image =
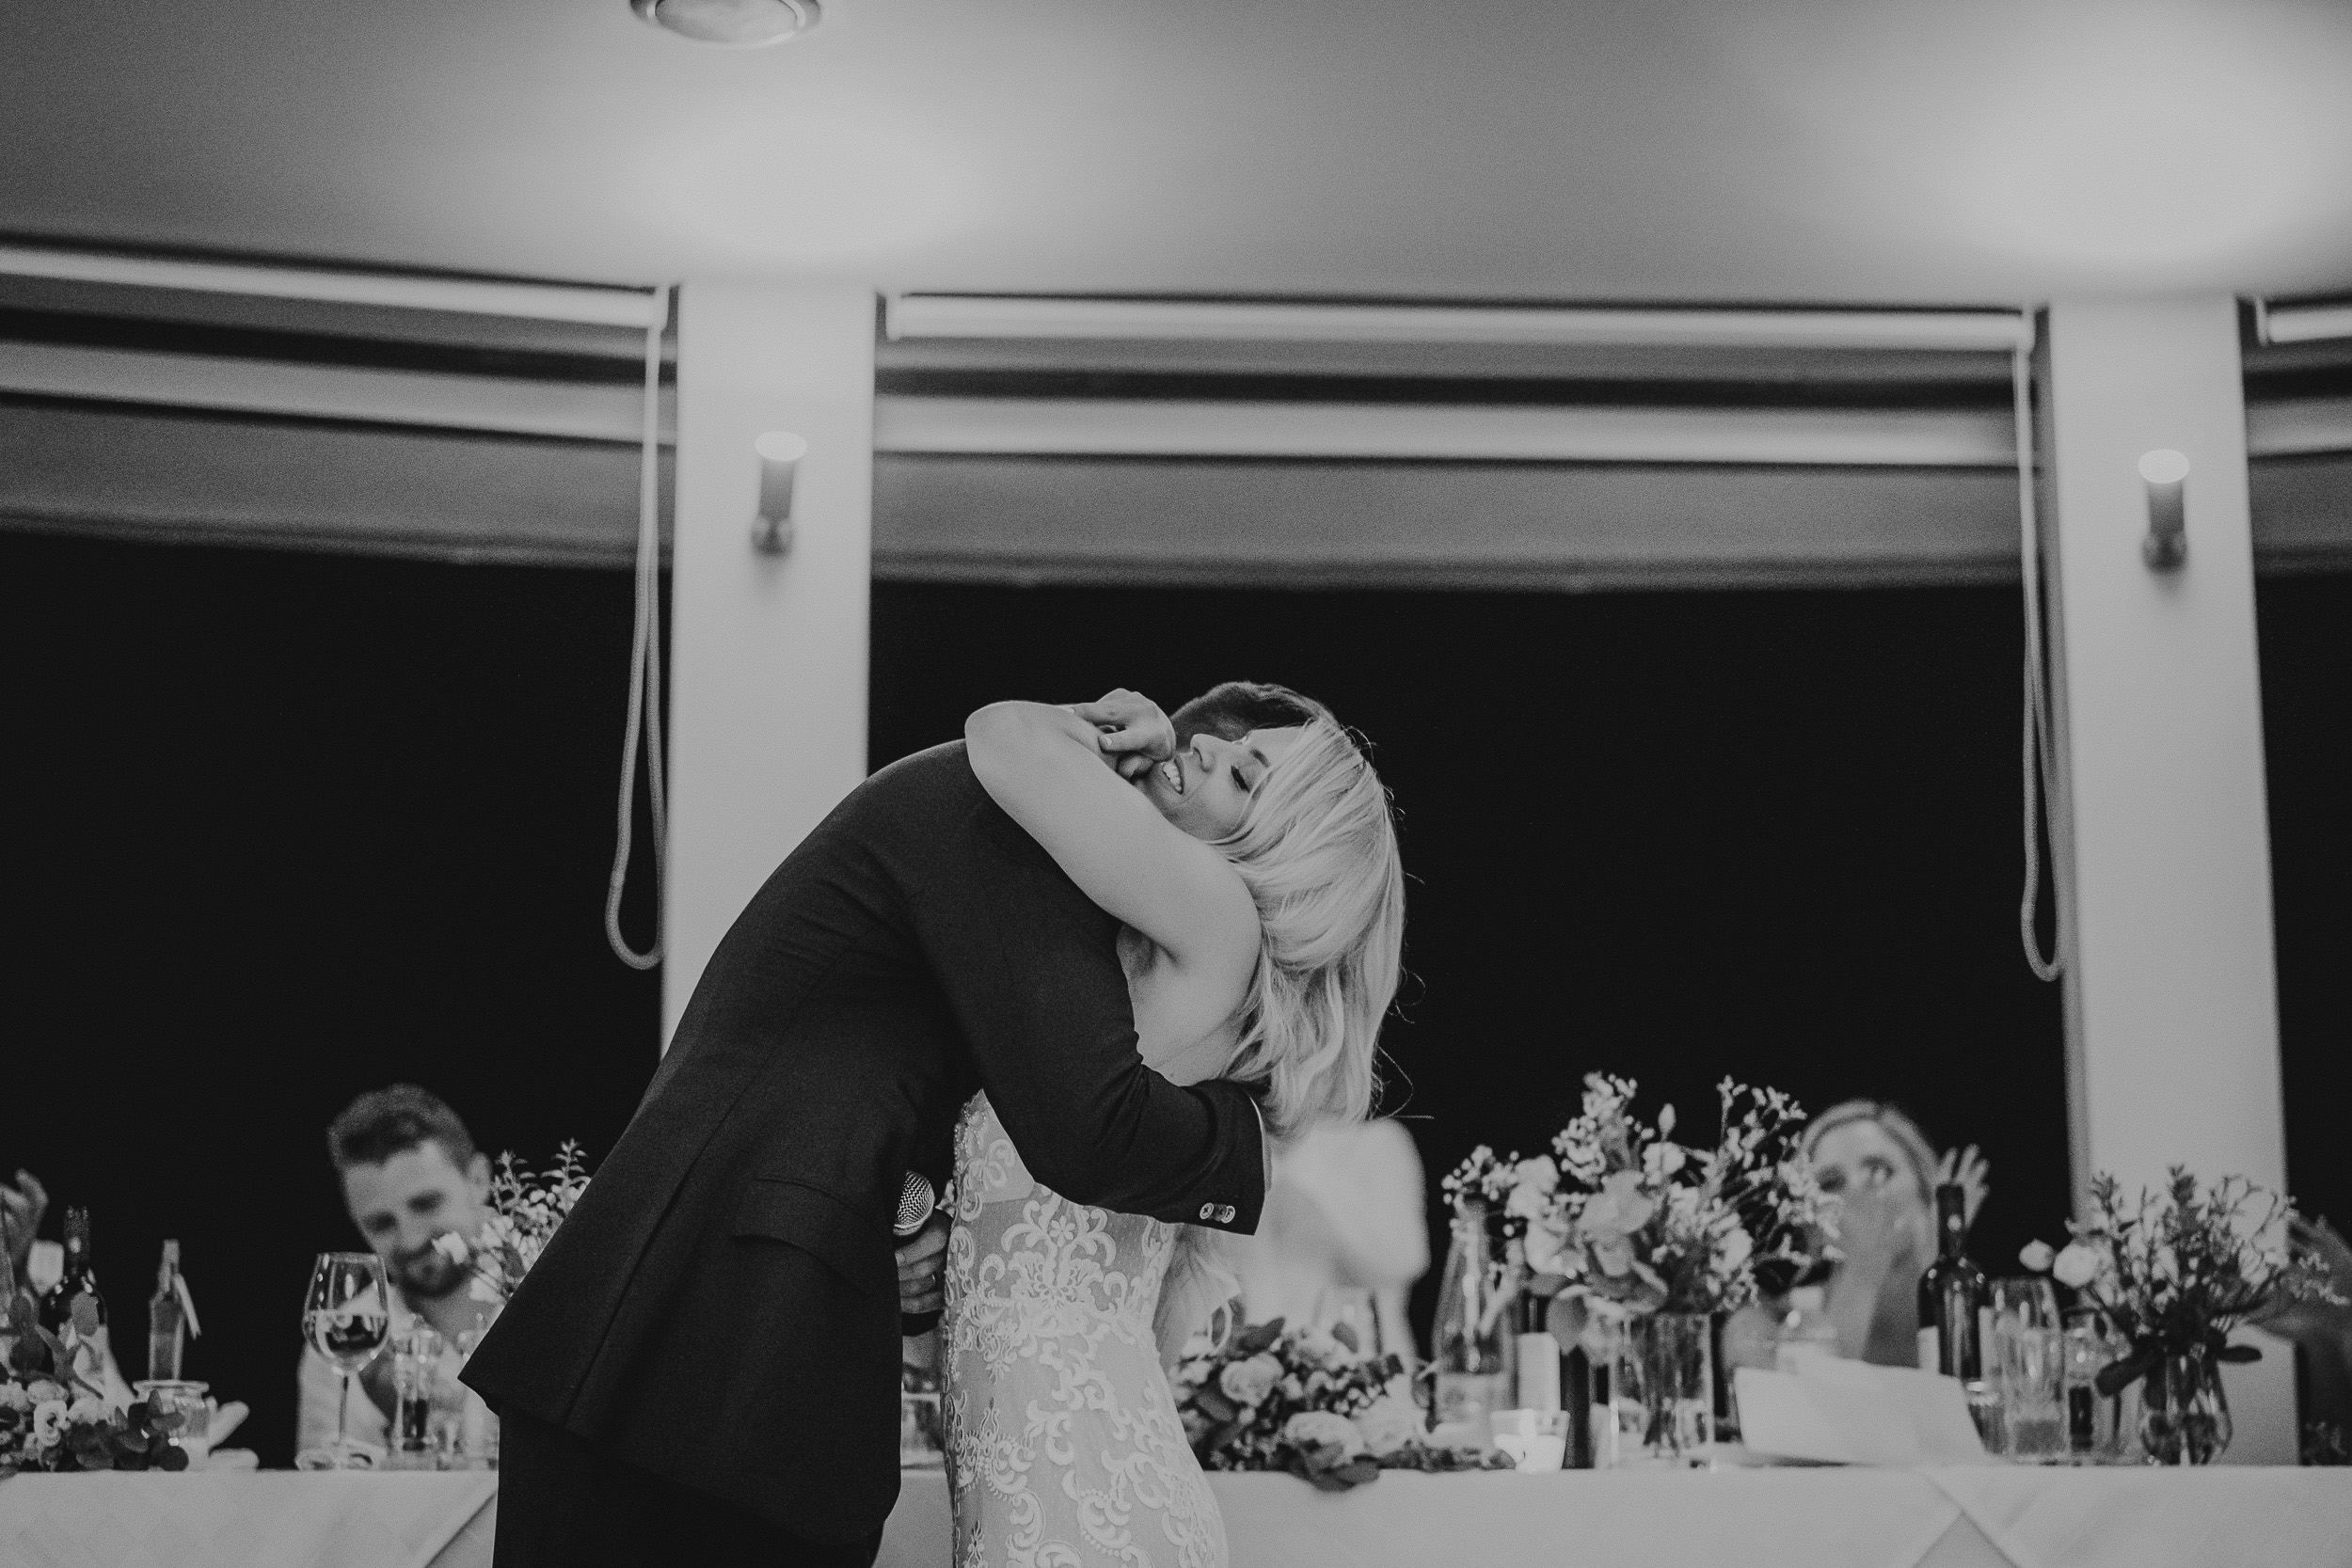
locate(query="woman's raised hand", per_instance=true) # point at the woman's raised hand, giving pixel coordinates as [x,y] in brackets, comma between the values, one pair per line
[1968,1168]
[1133,732]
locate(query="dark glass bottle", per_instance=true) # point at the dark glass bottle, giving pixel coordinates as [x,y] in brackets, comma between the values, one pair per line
[167,1319]
[1950,1293]
[73,1311]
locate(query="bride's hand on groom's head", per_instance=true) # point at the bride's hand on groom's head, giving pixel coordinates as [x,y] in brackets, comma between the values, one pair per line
[1131,731]
[922,1265]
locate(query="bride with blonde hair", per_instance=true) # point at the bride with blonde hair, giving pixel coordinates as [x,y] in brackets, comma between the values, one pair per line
[1249,850]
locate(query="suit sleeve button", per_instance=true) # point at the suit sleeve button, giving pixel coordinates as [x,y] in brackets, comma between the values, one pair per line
[1207,1211]
[1225,1214]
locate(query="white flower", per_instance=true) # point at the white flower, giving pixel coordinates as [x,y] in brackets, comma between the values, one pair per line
[48,1421]
[1734,1249]
[2037,1255]
[1293,1389]
[13,1396]
[90,1408]
[1544,1244]
[450,1244]
[1618,1210]
[2075,1265]
[1321,1347]
[1312,1429]
[1249,1382]
[1532,1182]
[1389,1424]
[1663,1158]
[43,1391]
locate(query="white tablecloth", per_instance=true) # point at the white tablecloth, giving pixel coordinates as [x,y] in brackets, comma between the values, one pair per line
[248,1519]
[1992,1517]
[2229,1517]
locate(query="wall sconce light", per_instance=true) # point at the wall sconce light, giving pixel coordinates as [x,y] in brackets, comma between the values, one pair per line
[780,454]
[732,24]
[2166,544]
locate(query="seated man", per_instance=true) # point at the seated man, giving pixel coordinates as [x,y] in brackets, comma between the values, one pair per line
[410,1173]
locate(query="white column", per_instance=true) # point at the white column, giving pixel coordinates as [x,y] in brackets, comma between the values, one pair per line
[768,687]
[2173,1013]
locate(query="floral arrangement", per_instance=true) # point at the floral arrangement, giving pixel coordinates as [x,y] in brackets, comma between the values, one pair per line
[1306,1400]
[526,1209]
[55,1414]
[1631,1221]
[2176,1272]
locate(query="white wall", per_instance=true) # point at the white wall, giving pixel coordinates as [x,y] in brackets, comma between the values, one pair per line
[2172,994]
[768,690]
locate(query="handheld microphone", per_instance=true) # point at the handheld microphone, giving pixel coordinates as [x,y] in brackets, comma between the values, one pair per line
[916,1203]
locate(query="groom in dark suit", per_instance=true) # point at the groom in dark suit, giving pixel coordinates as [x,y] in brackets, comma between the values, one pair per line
[703,1367]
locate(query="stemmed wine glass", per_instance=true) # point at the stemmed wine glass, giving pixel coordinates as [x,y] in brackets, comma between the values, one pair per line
[345,1316]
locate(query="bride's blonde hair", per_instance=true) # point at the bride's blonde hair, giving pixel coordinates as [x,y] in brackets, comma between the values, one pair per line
[1317,849]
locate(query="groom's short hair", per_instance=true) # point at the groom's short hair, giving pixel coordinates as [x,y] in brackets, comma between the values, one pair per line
[392,1120]
[1234,708]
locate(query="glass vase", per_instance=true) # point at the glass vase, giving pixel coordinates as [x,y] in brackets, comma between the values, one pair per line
[1662,1393]
[2184,1417]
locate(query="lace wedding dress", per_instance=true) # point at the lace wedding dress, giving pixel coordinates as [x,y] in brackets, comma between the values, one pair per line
[1064,1449]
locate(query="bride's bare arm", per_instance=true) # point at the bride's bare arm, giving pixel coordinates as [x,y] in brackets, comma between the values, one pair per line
[1046,767]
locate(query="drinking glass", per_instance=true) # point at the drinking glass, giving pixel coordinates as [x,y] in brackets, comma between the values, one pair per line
[1351,1305]
[2094,1423]
[1534,1439]
[416,1367]
[2026,1365]
[179,1413]
[345,1315]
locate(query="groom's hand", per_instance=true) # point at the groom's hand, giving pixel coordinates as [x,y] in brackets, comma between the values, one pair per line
[1131,731]
[922,1264]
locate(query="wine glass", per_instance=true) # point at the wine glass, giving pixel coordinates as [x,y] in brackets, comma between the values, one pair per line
[345,1316]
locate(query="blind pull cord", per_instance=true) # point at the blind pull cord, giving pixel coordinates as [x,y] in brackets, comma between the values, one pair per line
[644,669]
[2039,754]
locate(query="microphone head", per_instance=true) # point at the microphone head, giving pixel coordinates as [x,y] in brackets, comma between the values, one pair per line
[916,1203]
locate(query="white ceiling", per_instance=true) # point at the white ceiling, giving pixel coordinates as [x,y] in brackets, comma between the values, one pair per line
[1882,150]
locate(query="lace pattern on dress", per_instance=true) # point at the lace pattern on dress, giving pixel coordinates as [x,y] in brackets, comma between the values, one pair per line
[1064,1448]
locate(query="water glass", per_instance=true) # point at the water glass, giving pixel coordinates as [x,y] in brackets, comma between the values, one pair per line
[179,1413]
[416,1369]
[1534,1439]
[2095,1427]
[2025,1355]
[466,1429]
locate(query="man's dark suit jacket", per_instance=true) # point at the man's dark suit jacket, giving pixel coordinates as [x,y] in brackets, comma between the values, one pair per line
[722,1309]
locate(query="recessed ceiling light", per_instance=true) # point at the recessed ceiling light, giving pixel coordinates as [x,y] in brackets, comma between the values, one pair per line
[732,24]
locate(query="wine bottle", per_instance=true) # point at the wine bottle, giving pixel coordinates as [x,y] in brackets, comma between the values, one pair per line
[73,1311]
[1471,1363]
[167,1320]
[1951,1294]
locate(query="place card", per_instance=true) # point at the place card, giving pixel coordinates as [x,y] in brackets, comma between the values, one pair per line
[1833,1412]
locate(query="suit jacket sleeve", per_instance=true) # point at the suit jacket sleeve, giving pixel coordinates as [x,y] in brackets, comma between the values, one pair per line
[1030,969]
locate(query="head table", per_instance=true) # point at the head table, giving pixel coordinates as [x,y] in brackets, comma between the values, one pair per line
[1991,1517]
